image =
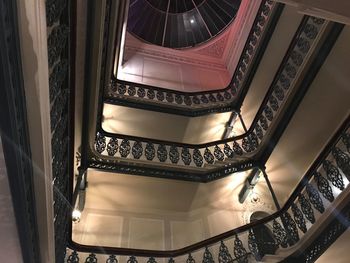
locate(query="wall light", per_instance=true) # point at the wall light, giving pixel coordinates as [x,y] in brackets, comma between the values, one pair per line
[249,183]
[76,215]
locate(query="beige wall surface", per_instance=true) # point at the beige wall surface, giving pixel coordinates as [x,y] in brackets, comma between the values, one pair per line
[153,213]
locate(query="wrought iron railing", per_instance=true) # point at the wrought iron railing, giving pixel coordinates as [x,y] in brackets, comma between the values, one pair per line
[200,103]
[323,184]
[59,28]
[223,153]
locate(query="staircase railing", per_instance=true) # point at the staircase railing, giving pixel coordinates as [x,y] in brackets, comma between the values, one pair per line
[199,103]
[322,187]
[230,154]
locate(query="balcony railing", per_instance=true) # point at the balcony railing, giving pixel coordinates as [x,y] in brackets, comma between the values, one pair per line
[60,31]
[228,155]
[200,103]
[324,187]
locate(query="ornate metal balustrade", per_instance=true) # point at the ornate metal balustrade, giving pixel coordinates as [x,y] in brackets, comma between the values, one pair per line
[326,181]
[200,103]
[59,26]
[227,155]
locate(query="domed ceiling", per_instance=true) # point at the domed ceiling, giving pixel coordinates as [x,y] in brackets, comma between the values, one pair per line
[180,23]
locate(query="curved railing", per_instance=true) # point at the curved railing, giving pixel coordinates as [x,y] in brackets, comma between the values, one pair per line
[112,147]
[321,188]
[199,103]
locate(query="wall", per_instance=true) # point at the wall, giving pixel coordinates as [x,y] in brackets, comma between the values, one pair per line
[10,247]
[154,213]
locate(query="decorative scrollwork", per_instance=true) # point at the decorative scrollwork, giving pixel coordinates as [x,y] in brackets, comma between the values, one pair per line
[303,45]
[212,98]
[174,155]
[112,259]
[333,174]
[279,93]
[91,258]
[268,113]
[263,122]
[73,257]
[171,260]
[204,99]
[310,31]
[132,259]
[151,260]
[324,187]
[160,96]
[280,234]
[190,259]
[112,146]
[121,89]
[54,10]
[343,161]
[178,99]
[259,132]
[186,156]
[228,151]
[346,140]
[141,92]
[197,158]
[57,78]
[315,198]
[208,156]
[239,251]
[188,100]
[219,155]
[100,143]
[151,94]
[196,100]
[306,208]
[137,150]
[250,143]
[297,58]
[291,71]
[237,148]
[169,97]
[162,153]
[124,148]
[150,152]
[207,256]
[253,245]
[224,254]
[219,97]
[299,218]
[291,228]
[56,42]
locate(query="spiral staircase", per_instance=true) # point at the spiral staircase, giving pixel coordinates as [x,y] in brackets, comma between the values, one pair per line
[112,160]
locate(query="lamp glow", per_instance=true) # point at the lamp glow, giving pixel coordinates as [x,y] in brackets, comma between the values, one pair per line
[76,216]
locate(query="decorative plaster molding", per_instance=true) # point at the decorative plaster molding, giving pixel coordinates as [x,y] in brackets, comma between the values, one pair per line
[174,56]
[217,48]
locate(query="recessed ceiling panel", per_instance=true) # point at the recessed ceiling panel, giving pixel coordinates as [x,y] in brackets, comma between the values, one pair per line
[180,23]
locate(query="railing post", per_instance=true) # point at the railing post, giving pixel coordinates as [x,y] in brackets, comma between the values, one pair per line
[242,121]
[278,207]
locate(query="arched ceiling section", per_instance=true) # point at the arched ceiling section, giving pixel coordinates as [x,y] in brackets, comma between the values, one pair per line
[180,23]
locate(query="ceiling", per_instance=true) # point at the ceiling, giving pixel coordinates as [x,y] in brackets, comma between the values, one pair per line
[180,23]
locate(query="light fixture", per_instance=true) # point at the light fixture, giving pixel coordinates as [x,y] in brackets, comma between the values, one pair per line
[192,21]
[79,202]
[249,183]
[76,216]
